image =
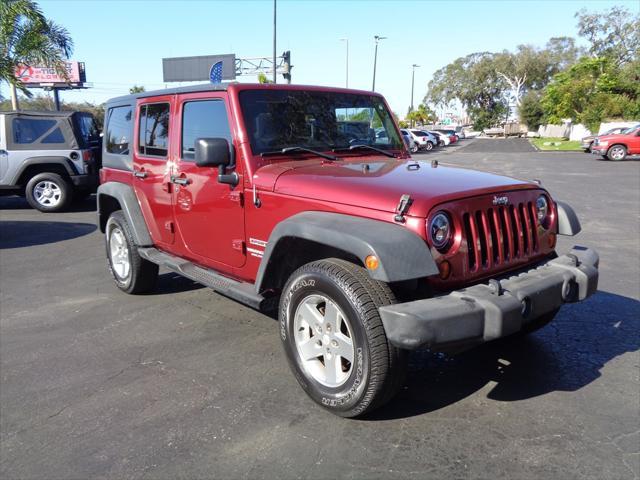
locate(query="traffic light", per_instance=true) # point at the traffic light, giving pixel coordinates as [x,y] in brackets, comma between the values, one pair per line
[286,66]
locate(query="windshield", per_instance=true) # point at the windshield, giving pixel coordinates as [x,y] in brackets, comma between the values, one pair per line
[277,119]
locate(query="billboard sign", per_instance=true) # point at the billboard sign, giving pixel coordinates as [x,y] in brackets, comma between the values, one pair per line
[32,75]
[194,69]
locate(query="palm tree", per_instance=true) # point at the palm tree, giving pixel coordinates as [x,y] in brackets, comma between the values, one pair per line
[28,38]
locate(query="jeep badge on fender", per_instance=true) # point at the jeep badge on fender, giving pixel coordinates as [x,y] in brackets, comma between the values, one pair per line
[286,198]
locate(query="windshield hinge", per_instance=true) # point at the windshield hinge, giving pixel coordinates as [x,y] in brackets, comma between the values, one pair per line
[403,207]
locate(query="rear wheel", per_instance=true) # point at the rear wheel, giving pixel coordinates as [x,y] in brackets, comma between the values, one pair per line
[48,192]
[617,153]
[334,339]
[131,273]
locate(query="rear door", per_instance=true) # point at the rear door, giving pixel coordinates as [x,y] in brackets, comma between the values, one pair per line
[151,169]
[209,215]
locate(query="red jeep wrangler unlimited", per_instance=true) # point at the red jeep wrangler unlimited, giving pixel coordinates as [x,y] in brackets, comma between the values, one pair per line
[269,195]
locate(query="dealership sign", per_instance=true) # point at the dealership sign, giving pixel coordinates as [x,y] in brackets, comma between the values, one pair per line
[48,76]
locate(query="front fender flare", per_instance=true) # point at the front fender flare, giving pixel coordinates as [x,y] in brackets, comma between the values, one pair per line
[568,223]
[403,255]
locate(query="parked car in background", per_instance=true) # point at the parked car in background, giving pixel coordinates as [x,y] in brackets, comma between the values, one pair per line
[431,140]
[460,132]
[421,140]
[453,138]
[409,143]
[443,139]
[49,157]
[587,141]
[618,146]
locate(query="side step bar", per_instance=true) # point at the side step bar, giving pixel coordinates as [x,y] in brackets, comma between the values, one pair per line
[241,291]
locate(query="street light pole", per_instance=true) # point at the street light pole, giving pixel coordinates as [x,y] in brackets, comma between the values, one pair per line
[347,64]
[274,42]
[413,74]
[375,60]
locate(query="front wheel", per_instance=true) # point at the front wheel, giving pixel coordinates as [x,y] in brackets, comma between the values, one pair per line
[617,153]
[131,273]
[414,147]
[334,339]
[429,146]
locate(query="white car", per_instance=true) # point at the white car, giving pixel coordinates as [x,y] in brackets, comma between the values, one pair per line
[422,140]
[441,137]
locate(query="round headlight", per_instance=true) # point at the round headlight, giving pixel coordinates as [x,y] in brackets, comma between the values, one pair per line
[542,208]
[440,230]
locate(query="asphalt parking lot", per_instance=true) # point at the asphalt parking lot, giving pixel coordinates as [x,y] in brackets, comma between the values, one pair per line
[185,383]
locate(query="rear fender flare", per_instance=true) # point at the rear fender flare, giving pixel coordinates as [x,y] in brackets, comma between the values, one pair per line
[126,197]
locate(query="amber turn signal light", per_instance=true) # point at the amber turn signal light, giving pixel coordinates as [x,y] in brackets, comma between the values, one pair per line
[445,269]
[371,262]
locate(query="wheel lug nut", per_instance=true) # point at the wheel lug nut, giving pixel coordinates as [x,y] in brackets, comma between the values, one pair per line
[334,344]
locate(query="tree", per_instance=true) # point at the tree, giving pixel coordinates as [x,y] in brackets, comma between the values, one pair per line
[531,111]
[137,89]
[614,34]
[28,38]
[474,81]
[262,78]
[592,90]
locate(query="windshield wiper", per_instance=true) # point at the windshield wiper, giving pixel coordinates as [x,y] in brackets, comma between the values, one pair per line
[368,147]
[288,150]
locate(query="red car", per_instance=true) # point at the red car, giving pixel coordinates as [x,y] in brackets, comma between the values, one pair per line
[289,199]
[618,146]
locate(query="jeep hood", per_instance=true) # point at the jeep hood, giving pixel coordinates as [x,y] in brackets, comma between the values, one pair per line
[379,184]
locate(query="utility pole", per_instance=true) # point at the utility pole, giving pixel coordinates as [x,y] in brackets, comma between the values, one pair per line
[275,78]
[14,97]
[347,65]
[375,60]
[413,74]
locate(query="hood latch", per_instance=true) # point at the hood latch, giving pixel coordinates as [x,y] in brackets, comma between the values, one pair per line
[403,208]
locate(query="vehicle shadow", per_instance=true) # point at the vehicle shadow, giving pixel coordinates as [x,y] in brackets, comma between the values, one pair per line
[18,234]
[87,204]
[566,355]
[170,282]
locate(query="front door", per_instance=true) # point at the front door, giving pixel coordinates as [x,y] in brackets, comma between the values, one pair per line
[209,215]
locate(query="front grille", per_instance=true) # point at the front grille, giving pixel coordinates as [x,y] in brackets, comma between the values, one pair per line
[500,235]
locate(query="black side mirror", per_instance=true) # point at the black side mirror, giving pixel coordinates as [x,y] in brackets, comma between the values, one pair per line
[216,152]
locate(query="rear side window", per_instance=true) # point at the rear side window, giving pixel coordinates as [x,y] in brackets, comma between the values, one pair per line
[203,119]
[88,129]
[154,129]
[54,137]
[28,130]
[118,131]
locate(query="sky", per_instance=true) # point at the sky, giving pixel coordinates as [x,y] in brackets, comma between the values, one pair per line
[123,42]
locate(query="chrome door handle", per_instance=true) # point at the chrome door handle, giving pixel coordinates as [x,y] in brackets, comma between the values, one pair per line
[180,180]
[139,174]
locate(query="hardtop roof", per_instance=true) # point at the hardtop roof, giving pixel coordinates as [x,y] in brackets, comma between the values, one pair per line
[210,87]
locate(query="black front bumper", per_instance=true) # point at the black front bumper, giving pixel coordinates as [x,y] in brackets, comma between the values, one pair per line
[499,308]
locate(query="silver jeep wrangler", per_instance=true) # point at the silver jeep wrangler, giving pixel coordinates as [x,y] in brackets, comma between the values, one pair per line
[49,157]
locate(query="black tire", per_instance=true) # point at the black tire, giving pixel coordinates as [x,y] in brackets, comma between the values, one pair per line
[429,146]
[617,153]
[414,147]
[49,192]
[378,369]
[142,274]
